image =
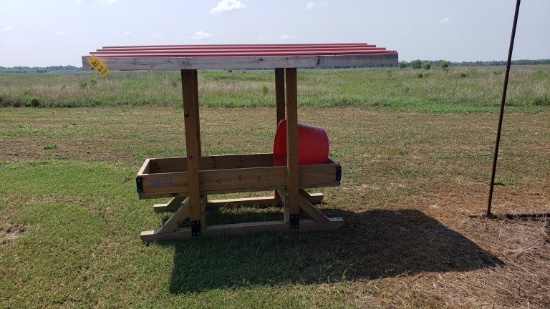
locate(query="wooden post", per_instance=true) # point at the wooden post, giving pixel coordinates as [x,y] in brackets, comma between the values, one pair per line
[280,106]
[280,93]
[293,179]
[192,144]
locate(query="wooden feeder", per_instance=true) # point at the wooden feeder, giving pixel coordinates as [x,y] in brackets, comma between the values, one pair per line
[189,180]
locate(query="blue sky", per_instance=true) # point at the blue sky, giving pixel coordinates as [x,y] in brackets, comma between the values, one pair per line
[59,32]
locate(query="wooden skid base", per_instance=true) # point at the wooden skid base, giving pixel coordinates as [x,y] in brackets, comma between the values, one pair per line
[267,201]
[245,228]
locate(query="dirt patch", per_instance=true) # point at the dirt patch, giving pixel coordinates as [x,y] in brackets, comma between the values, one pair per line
[10,232]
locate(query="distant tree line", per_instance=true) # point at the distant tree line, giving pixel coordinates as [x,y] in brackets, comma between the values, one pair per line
[57,68]
[415,64]
[427,64]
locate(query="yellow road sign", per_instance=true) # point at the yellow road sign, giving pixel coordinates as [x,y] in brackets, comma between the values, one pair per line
[98,65]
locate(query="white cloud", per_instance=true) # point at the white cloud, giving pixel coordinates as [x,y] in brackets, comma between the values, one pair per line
[156,36]
[8,29]
[227,5]
[201,35]
[125,33]
[286,37]
[445,20]
[62,32]
[310,6]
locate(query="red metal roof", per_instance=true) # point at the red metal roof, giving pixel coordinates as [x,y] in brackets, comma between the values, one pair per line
[240,50]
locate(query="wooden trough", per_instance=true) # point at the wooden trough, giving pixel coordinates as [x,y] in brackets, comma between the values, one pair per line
[189,180]
[168,177]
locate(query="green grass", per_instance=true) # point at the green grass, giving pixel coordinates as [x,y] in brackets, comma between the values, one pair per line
[458,89]
[81,248]
[414,163]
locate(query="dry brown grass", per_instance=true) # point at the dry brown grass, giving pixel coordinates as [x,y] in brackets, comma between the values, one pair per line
[9,232]
[410,182]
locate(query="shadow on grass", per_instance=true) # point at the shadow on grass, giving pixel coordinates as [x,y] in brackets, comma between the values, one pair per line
[373,244]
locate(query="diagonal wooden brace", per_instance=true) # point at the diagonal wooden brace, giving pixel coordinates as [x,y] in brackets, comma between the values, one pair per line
[311,210]
[174,221]
[173,205]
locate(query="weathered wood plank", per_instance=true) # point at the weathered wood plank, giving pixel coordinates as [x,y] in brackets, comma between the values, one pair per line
[217,181]
[243,63]
[192,143]
[168,165]
[153,236]
[236,161]
[293,169]
[267,201]
[164,185]
[319,175]
[313,212]
[172,205]
[172,223]
[313,198]
[306,225]
[283,196]
[280,94]
[145,167]
[242,180]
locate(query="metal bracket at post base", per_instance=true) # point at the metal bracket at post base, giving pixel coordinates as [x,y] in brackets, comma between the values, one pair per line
[195,228]
[139,184]
[294,222]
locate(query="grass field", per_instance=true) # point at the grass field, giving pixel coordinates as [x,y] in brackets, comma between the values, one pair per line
[412,173]
[458,89]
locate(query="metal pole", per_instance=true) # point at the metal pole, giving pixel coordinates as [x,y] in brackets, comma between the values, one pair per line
[502,103]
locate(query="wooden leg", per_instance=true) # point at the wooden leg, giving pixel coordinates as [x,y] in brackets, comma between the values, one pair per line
[280,94]
[293,173]
[192,143]
[283,195]
[280,104]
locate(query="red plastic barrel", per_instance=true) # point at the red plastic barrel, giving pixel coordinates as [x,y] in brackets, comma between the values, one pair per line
[313,147]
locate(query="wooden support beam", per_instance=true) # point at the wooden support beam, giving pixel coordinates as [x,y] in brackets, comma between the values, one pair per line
[312,211]
[267,201]
[313,198]
[192,143]
[245,228]
[172,223]
[172,205]
[280,105]
[293,173]
[283,196]
[246,63]
[280,94]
